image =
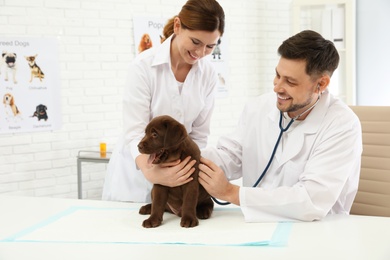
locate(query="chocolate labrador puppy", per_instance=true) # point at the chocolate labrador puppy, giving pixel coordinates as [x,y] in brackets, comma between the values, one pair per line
[166,140]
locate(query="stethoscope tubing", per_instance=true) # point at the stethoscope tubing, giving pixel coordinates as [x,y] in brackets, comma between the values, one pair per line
[282,130]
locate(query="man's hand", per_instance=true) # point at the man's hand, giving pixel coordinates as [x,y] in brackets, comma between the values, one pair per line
[213,179]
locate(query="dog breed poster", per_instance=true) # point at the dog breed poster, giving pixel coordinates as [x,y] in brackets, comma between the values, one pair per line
[29,85]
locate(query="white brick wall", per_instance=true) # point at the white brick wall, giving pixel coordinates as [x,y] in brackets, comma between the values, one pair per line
[96,46]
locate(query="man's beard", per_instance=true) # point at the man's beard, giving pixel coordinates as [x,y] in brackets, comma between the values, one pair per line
[297,107]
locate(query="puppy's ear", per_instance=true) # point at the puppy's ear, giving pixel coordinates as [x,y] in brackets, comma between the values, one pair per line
[11,100]
[175,133]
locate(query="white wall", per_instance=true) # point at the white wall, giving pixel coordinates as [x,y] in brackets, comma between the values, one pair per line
[96,46]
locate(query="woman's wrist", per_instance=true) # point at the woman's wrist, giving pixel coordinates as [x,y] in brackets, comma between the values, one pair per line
[142,163]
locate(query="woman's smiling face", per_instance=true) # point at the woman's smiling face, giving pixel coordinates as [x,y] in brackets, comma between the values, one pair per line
[194,45]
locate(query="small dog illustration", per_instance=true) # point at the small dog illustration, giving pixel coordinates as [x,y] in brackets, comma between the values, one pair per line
[9,61]
[36,71]
[40,112]
[217,51]
[221,79]
[11,110]
[145,43]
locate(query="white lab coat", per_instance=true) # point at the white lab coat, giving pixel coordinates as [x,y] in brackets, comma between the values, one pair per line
[316,168]
[152,90]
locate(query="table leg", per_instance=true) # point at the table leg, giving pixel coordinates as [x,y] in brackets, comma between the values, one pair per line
[79,180]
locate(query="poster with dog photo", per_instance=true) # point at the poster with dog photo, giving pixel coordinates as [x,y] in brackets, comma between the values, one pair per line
[148,34]
[29,85]
[219,57]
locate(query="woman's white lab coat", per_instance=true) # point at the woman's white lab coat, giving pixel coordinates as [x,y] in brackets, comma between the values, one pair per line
[316,167]
[152,90]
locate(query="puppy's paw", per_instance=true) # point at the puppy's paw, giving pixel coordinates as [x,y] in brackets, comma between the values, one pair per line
[151,222]
[187,221]
[145,210]
[204,211]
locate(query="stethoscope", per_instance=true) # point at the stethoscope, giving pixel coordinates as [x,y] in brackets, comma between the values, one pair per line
[282,130]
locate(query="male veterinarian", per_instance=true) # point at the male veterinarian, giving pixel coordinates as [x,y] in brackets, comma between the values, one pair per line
[316,165]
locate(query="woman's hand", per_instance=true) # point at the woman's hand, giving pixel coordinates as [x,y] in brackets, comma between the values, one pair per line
[213,179]
[168,174]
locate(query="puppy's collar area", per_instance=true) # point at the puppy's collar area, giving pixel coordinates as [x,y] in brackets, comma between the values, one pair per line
[156,158]
[176,144]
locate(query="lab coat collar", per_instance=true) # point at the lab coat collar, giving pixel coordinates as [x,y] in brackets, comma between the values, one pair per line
[310,125]
[313,121]
[162,56]
[162,52]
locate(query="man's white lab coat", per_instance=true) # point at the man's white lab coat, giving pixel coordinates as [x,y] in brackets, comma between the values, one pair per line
[316,168]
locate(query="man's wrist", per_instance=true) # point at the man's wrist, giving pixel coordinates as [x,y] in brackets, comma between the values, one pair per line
[232,194]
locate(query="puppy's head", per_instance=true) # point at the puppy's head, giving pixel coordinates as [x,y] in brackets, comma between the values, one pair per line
[9,59]
[8,99]
[163,135]
[146,39]
[41,109]
[30,59]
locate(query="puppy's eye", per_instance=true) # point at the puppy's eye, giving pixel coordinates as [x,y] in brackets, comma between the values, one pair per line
[154,135]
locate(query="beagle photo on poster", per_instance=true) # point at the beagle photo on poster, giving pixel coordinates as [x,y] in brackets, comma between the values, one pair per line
[11,110]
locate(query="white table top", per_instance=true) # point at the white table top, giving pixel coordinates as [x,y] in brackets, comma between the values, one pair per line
[35,228]
[94,155]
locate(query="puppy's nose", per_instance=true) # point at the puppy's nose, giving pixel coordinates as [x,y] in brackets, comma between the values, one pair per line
[141,146]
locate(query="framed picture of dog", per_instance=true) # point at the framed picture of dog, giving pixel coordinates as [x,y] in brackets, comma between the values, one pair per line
[29,85]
